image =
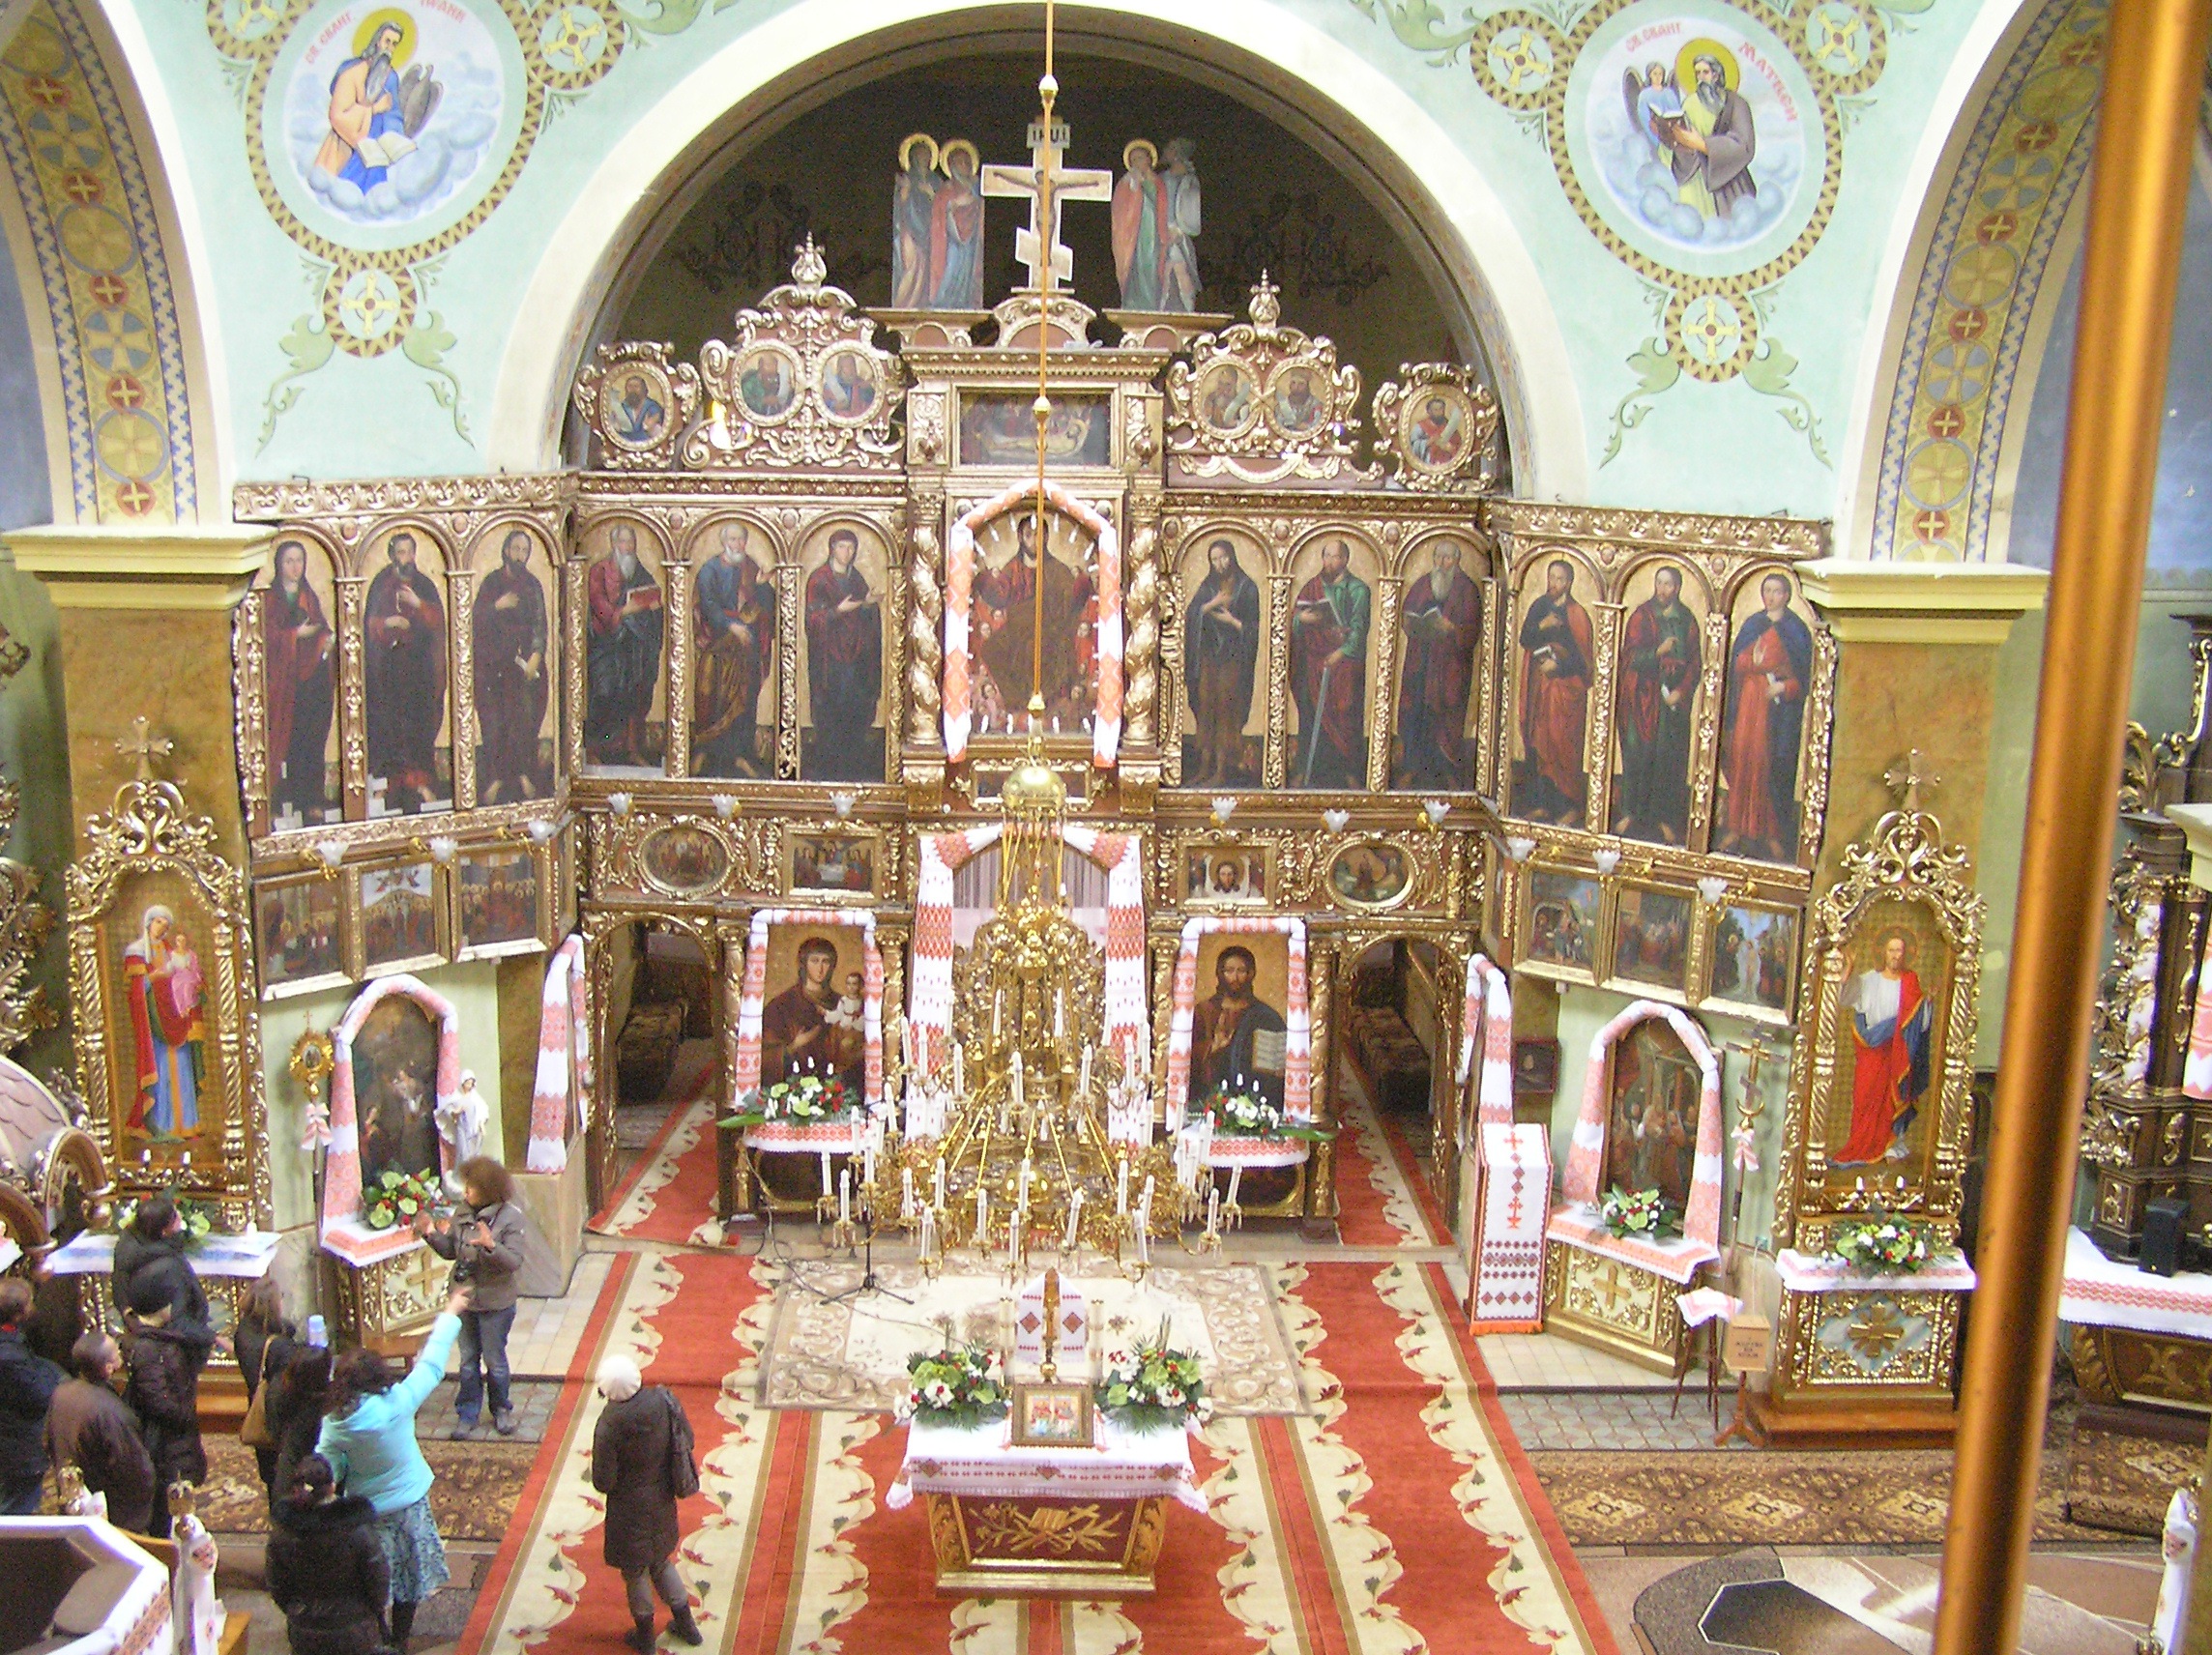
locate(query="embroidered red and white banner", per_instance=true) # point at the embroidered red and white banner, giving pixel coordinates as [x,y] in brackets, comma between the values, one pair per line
[1297,1043]
[746,1066]
[343,1232]
[1487,1025]
[929,992]
[1586,1159]
[2197,1067]
[564,1061]
[1507,1291]
[960,595]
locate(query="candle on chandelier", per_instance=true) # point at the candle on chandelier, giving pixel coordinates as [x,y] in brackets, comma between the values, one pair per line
[928,1232]
[1122,1188]
[868,1164]
[906,1192]
[1018,1079]
[906,1042]
[845,1195]
[982,1214]
[1086,1082]
[825,1173]
[998,1011]
[1236,1183]
[1059,1014]
[1074,1219]
[1212,1214]
[959,1072]
[936,1184]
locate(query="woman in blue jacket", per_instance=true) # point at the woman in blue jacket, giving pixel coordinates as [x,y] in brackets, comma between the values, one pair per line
[368,1438]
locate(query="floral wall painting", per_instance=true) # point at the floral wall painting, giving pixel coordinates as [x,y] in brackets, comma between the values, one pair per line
[1693,137]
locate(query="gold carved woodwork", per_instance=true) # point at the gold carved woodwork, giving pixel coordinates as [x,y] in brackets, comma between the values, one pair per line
[2114,1365]
[147,841]
[1002,1545]
[1615,1305]
[1299,860]
[679,383]
[1905,863]
[1877,1342]
[1477,469]
[1259,446]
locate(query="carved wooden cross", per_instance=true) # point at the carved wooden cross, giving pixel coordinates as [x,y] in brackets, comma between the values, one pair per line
[1909,780]
[1039,247]
[144,746]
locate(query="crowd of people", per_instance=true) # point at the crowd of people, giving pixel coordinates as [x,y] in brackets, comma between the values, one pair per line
[353,1550]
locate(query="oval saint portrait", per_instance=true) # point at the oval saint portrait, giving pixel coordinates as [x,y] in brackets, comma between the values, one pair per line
[682,859]
[1297,399]
[1227,400]
[848,385]
[635,406]
[1436,430]
[768,383]
[1370,874]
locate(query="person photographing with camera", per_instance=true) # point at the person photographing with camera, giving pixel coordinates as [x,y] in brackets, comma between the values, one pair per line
[484,1239]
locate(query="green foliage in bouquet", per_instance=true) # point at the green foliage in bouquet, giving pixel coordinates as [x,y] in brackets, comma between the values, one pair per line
[1645,1216]
[964,1386]
[1152,1388]
[1246,1113]
[803,1100]
[1879,1245]
[396,1197]
[198,1216]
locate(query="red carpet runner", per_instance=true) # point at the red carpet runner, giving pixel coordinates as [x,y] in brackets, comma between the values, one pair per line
[1312,1546]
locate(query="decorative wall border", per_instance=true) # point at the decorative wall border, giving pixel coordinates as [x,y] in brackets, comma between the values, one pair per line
[103,273]
[1985,263]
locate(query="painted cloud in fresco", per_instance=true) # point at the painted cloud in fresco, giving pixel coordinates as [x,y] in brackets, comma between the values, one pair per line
[395,110]
[1695,134]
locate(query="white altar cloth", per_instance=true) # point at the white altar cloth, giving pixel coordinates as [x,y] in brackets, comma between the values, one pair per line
[1678,1258]
[2104,1293]
[245,1257]
[1817,1273]
[982,1461]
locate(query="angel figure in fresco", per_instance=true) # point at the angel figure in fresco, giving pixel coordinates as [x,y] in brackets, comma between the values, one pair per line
[163,983]
[1890,1027]
[377,112]
[1654,105]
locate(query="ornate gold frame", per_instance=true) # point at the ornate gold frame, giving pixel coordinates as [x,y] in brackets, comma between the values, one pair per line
[148,832]
[357,932]
[543,935]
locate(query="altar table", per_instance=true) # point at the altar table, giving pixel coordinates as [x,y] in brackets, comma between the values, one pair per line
[1025,1521]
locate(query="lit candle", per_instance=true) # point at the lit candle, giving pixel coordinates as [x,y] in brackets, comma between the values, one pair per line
[906,1193]
[1121,1187]
[1074,1219]
[845,1195]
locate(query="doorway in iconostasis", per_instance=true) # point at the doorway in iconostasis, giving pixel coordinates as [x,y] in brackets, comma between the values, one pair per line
[667,1051]
[1391,1027]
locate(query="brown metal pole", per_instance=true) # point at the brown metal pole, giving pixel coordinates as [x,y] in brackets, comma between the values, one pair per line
[2154,75]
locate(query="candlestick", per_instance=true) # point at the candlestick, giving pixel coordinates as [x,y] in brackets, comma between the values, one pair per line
[906,1193]
[936,1184]
[1059,1014]
[1085,1087]
[826,1176]
[983,1216]
[928,1233]
[1122,1188]
[998,1011]
[1213,1214]
[845,1195]
[959,1073]
[1074,1219]
[1235,1182]
[868,1164]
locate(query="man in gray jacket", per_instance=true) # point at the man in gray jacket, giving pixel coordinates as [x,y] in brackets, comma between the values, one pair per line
[88,1427]
[487,1250]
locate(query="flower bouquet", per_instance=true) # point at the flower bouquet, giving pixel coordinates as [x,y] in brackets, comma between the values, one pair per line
[198,1217]
[1152,1388]
[1879,1245]
[396,1197]
[1644,1215]
[964,1386]
[803,1100]
[1244,1111]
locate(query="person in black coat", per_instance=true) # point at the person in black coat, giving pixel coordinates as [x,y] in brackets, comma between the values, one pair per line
[151,1246]
[326,1569]
[632,1454]
[264,1344]
[164,1390]
[27,1385]
[297,1390]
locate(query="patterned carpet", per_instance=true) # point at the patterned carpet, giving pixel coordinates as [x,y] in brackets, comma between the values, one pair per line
[1397,1516]
[2094,1490]
[473,1498]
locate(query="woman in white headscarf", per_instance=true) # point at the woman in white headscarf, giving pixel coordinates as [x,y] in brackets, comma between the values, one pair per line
[641,1460]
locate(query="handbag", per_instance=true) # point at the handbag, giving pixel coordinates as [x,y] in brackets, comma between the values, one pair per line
[683,1468]
[253,1430]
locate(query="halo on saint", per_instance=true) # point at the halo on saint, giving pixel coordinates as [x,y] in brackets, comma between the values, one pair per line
[1686,63]
[376,20]
[1129,154]
[959,146]
[906,148]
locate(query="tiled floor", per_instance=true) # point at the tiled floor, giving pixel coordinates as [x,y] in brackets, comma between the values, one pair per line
[547,1330]
[1545,1361]
[1641,1419]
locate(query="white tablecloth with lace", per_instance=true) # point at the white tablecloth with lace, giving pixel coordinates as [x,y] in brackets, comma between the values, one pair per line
[983,1462]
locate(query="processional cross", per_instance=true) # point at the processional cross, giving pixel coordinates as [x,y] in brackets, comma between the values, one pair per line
[1039,247]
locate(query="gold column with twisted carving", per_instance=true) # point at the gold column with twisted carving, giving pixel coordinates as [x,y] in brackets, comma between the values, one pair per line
[2145,147]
